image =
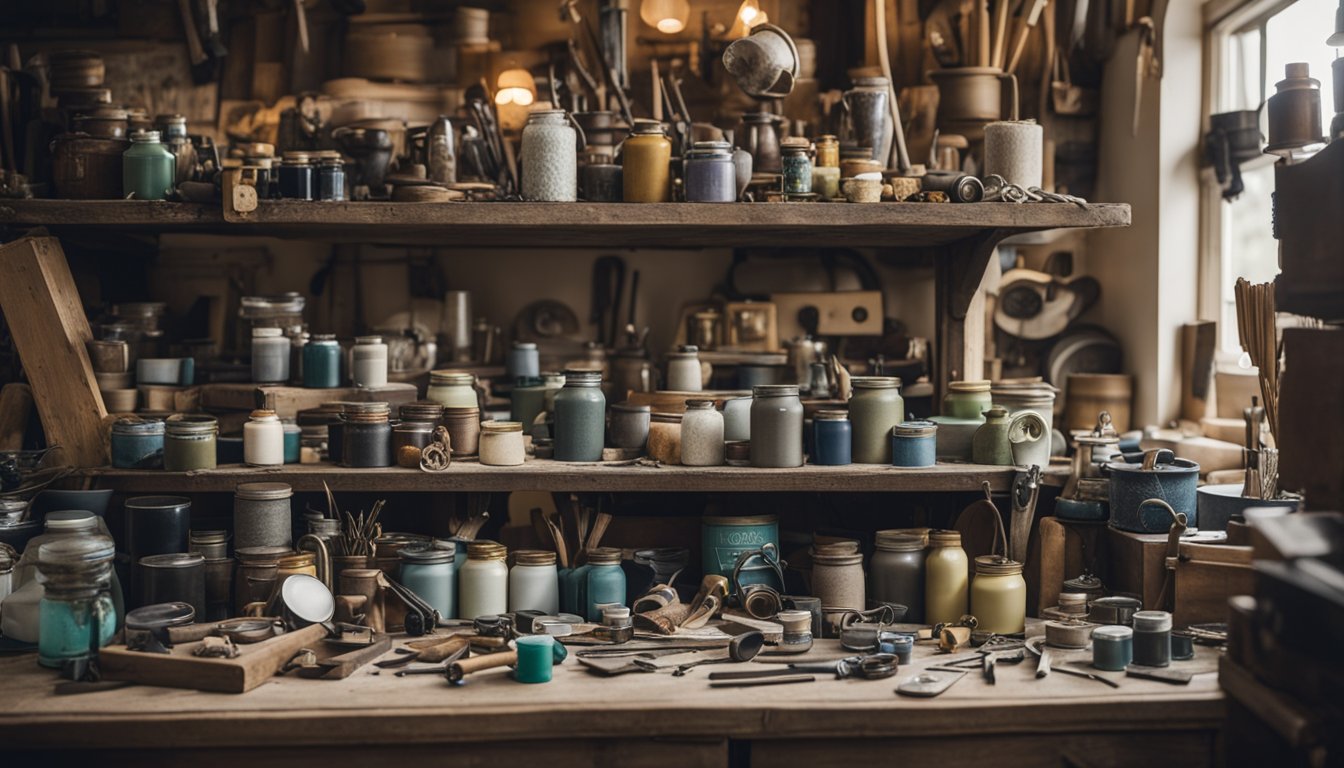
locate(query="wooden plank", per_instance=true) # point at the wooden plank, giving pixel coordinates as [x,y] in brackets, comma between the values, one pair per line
[1188,749]
[288,401]
[1138,564]
[1296,723]
[16,403]
[45,316]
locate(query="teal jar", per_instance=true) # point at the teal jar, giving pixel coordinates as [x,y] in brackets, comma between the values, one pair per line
[76,615]
[428,572]
[574,589]
[722,539]
[137,443]
[606,581]
[322,362]
[967,399]
[148,168]
[874,409]
[580,417]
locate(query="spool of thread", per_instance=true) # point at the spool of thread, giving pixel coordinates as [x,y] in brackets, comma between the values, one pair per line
[1013,150]
[1073,602]
[1068,634]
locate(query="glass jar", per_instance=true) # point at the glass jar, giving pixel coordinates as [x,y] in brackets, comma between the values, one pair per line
[646,175]
[1152,638]
[701,435]
[322,362]
[429,573]
[270,356]
[946,577]
[629,426]
[580,417]
[148,168]
[367,435]
[664,445]
[967,399]
[190,442]
[875,407]
[262,516]
[776,426]
[368,362]
[483,581]
[999,595]
[137,443]
[263,440]
[297,177]
[331,177]
[683,369]
[831,441]
[76,616]
[710,174]
[534,582]
[549,157]
[409,439]
[897,572]
[606,581]
[523,361]
[501,444]
[797,166]
[837,579]
[453,389]
[828,151]
[914,444]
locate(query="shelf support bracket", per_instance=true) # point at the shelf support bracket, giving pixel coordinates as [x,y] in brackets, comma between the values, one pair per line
[959,270]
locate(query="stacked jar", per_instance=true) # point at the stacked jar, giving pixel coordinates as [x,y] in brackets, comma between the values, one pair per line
[270,356]
[263,440]
[605,581]
[429,573]
[875,407]
[367,435]
[190,442]
[999,595]
[710,174]
[776,426]
[453,389]
[831,438]
[137,443]
[501,444]
[368,362]
[946,577]
[262,515]
[322,362]
[76,615]
[483,581]
[701,435]
[534,582]
[897,572]
[580,417]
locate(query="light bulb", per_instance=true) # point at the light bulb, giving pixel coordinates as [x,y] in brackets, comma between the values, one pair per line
[666,16]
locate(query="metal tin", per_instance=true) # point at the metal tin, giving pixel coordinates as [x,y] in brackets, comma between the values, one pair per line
[137,443]
[831,438]
[1116,610]
[722,539]
[262,515]
[1152,638]
[190,442]
[629,426]
[914,444]
[1112,648]
[176,577]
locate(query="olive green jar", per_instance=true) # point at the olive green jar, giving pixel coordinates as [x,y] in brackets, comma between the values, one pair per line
[966,399]
[190,442]
[874,409]
[148,169]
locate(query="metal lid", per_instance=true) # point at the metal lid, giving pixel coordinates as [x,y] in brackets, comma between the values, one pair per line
[524,345]
[1113,633]
[261,554]
[646,127]
[533,557]
[916,428]
[875,382]
[191,424]
[837,558]
[426,554]
[417,427]
[70,520]
[944,538]
[501,427]
[263,491]
[209,537]
[774,390]
[632,408]
[451,378]
[134,425]
[830,414]
[261,414]
[486,550]
[368,340]
[296,158]
[145,137]
[604,556]
[979,385]
[1152,621]
[172,560]
[699,405]
[263,332]
[898,541]
[996,565]
[323,338]
[158,502]
[77,550]
[582,378]
[421,411]
[160,615]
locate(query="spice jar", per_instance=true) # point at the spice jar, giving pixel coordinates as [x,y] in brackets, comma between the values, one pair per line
[501,444]
[550,157]
[683,369]
[837,578]
[429,573]
[828,151]
[263,440]
[710,174]
[999,595]
[190,442]
[646,175]
[534,583]
[946,578]
[464,429]
[483,581]
[967,399]
[629,427]
[606,580]
[173,578]
[1152,638]
[874,409]
[914,444]
[367,435]
[580,417]
[701,434]
[776,426]
[664,444]
[148,168]
[261,515]
[76,613]
[797,166]
[368,362]
[330,177]
[452,389]
[322,362]
[523,361]
[897,572]
[137,443]
[297,177]
[1112,648]
[409,438]
[270,356]
[831,438]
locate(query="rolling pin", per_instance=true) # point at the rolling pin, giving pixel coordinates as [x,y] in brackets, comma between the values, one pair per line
[460,669]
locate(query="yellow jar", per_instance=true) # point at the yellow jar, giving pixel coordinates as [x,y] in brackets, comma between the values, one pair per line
[999,595]
[300,564]
[946,577]
[646,175]
[828,152]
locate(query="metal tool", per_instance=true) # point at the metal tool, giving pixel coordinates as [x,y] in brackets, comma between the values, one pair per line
[1043,666]
[930,682]
[743,647]
[1088,675]
[752,682]
[876,666]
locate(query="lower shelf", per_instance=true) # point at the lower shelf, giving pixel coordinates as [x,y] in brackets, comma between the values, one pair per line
[547,475]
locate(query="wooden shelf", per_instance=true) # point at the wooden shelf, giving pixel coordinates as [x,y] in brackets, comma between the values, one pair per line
[547,475]
[559,225]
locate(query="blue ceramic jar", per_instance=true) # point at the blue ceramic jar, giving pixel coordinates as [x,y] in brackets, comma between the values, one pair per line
[580,417]
[710,174]
[137,444]
[428,572]
[831,444]
[606,581]
[914,444]
[322,362]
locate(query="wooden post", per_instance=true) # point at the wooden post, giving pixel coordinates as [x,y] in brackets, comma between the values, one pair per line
[958,271]
[42,307]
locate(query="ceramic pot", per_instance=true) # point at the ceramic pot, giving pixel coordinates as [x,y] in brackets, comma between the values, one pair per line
[646,175]
[550,157]
[990,443]
[1160,476]
[862,190]
[971,97]
[758,134]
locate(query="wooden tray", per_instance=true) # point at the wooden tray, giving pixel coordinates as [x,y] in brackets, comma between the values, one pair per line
[254,665]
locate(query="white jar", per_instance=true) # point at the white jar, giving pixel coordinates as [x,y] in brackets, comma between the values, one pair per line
[737,418]
[483,582]
[270,356]
[264,440]
[701,435]
[368,362]
[683,369]
[534,583]
[452,389]
[501,444]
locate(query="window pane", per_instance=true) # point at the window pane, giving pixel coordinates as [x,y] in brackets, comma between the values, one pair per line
[1297,33]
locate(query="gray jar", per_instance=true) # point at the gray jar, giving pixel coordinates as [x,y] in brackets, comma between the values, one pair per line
[896,572]
[270,356]
[261,515]
[701,435]
[875,407]
[580,417]
[776,426]
[629,427]
[737,419]
[550,157]
[711,176]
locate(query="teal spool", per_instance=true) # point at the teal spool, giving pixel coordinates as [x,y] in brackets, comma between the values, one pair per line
[536,656]
[606,581]
[322,362]
[722,539]
[148,168]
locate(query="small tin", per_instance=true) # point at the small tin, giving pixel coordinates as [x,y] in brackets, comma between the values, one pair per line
[1112,648]
[914,444]
[831,438]
[137,443]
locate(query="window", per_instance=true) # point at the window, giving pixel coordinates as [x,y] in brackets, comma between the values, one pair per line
[1247,45]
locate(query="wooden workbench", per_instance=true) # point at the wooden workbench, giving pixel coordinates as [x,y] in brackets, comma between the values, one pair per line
[637,719]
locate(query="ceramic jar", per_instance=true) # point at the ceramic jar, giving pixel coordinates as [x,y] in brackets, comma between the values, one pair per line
[527,401]
[831,438]
[367,435]
[797,166]
[550,157]
[683,369]
[737,418]
[455,389]
[869,115]
[776,426]
[897,572]
[580,417]
[298,177]
[828,151]
[523,361]
[1037,397]
[190,442]
[946,578]
[270,356]
[837,579]
[149,170]
[368,362]
[701,435]
[665,438]
[1112,648]
[483,581]
[990,444]
[999,595]
[322,362]
[262,515]
[646,175]
[875,407]
[967,399]
[914,444]
[710,174]
[501,444]
[263,440]
[429,573]
[629,426]
[534,582]
[137,443]
[464,429]
[606,581]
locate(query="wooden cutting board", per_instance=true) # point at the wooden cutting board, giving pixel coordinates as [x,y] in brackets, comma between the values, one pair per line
[254,665]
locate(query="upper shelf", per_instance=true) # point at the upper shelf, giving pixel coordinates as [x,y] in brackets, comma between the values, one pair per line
[656,225]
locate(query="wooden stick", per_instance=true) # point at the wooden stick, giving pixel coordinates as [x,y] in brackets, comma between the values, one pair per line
[1000,32]
[982,32]
[1032,19]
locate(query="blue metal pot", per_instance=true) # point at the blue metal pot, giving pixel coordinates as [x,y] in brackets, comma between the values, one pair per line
[1160,476]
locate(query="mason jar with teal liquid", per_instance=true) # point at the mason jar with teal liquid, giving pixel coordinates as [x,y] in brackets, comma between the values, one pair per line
[148,168]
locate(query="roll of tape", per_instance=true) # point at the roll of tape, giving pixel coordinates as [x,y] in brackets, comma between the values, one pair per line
[1068,634]
[1013,150]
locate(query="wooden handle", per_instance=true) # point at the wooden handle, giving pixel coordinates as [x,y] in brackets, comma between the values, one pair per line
[437,653]
[460,669]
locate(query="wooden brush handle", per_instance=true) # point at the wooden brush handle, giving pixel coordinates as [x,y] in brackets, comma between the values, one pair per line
[460,669]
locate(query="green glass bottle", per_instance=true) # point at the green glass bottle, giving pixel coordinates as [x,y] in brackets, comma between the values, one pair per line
[149,169]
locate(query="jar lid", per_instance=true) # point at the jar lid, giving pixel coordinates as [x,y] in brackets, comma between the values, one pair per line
[646,127]
[996,565]
[830,415]
[322,338]
[917,428]
[262,414]
[452,378]
[604,556]
[145,137]
[699,405]
[426,554]
[712,146]
[134,425]
[501,427]
[172,560]
[533,557]
[748,520]
[775,390]
[368,409]
[1152,621]
[263,332]
[362,340]
[944,538]
[898,541]
[1113,633]
[261,555]
[296,158]
[979,385]
[90,550]
[421,411]
[524,345]
[461,412]
[209,537]
[1073,599]
[416,427]
[70,520]
[192,424]
[582,376]
[666,418]
[160,616]
[615,613]
[486,550]
[837,559]
[632,408]
[875,382]
[263,491]
[158,502]
[827,139]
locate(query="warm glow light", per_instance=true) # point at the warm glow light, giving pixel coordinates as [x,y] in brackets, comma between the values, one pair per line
[748,12]
[520,96]
[666,16]
[515,87]
[749,15]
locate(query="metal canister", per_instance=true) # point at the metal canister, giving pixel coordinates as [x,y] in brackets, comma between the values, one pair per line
[710,174]
[723,539]
[646,169]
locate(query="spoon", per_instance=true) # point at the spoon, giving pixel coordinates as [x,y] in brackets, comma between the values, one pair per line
[743,647]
